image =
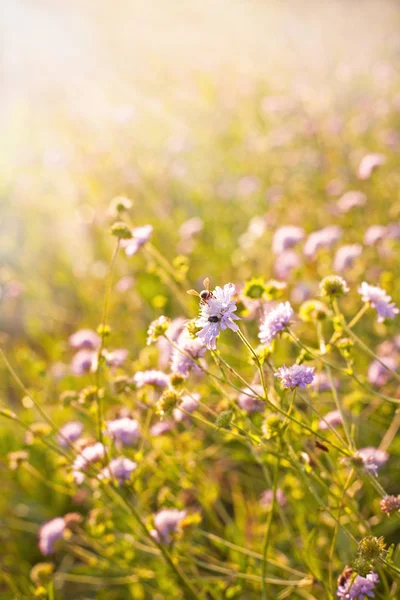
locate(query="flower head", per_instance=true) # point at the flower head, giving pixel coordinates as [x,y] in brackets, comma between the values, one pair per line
[356,588]
[248,402]
[217,314]
[167,521]
[83,362]
[181,361]
[49,534]
[350,200]
[89,455]
[151,377]
[333,286]
[372,458]
[267,497]
[84,338]
[390,504]
[286,237]
[345,256]
[375,234]
[275,321]
[379,300]
[140,235]
[69,432]
[331,419]
[157,329]
[119,468]
[323,238]
[125,430]
[295,376]
[368,164]
[188,404]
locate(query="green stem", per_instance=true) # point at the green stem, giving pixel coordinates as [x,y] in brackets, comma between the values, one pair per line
[268,531]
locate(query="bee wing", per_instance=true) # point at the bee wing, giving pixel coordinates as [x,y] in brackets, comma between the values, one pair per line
[206,284]
[193,293]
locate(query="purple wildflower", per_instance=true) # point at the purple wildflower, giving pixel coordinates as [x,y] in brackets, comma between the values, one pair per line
[119,468]
[248,402]
[116,358]
[140,235]
[373,458]
[217,314]
[125,430]
[267,497]
[83,362]
[181,363]
[358,588]
[69,432]
[351,200]
[295,376]
[151,377]
[275,321]
[345,256]
[375,234]
[377,374]
[165,349]
[89,455]
[49,534]
[379,300]
[160,428]
[285,263]
[84,338]
[322,383]
[286,237]
[323,238]
[368,164]
[188,404]
[167,521]
[331,419]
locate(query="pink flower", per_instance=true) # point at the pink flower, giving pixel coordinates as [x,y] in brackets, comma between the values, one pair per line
[368,164]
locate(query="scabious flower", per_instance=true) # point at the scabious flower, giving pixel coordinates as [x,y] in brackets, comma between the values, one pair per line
[295,376]
[166,522]
[286,237]
[188,404]
[372,458]
[377,374]
[357,588]
[267,497]
[119,468]
[125,430]
[351,200]
[89,455]
[375,234]
[140,235]
[379,300]
[69,432]
[332,419]
[323,238]
[151,377]
[368,164]
[390,504]
[83,362]
[248,402]
[181,362]
[274,322]
[217,314]
[84,338]
[124,284]
[49,534]
[345,256]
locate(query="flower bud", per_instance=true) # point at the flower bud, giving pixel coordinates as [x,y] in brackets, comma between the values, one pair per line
[121,230]
[371,547]
[157,329]
[224,419]
[167,402]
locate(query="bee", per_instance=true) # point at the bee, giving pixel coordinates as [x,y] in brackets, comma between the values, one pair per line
[205,294]
[344,576]
[213,319]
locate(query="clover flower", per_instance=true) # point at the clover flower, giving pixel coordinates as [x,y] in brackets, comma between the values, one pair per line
[295,376]
[140,235]
[217,314]
[274,322]
[125,430]
[151,377]
[248,402]
[84,338]
[323,238]
[166,522]
[49,534]
[286,237]
[119,468]
[357,588]
[181,362]
[69,432]
[379,300]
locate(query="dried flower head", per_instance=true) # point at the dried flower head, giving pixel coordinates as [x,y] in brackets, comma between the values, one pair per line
[333,286]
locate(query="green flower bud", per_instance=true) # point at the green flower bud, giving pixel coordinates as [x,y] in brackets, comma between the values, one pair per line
[157,329]
[167,402]
[313,310]
[224,419]
[361,566]
[371,547]
[121,230]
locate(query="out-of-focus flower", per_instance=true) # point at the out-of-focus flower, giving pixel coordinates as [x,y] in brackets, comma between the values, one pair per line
[323,238]
[182,362]
[49,534]
[322,383]
[151,377]
[88,456]
[372,458]
[247,186]
[333,286]
[250,403]
[190,228]
[331,419]
[267,497]
[140,235]
[160,428]
[118,205]
[368,164]
[116,358]
[84,338]
[165,349]
[83,362]
[188,404]
[119,468]
[374,235]
[274,322]
[355,587]
[295,376]
[351,200]
[377,374]
[69,432]
[379,300]
[255,230]
[124,284]
[390,504]
[285,263]
[157,328]
[166,522]
[217,314]
[125,430]
[286,237]
[345,257]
